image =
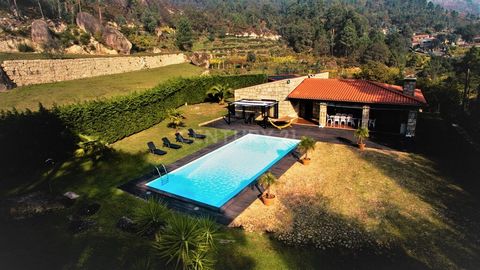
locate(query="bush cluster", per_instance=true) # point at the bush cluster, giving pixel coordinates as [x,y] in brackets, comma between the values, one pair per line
[113,119]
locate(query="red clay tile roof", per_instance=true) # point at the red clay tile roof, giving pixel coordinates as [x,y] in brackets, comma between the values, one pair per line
[355,91]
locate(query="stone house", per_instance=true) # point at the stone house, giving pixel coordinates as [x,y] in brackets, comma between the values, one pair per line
[343,103]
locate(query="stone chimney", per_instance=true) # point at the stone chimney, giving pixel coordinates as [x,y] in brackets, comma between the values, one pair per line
[409,85]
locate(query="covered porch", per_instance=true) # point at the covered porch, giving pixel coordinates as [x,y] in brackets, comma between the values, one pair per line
[389,119]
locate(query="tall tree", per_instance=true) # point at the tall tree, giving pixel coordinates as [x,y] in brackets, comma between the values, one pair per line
[184,36]
[347,38]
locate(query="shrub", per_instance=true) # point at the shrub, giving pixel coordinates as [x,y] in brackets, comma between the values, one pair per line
[84,38]
[25,48]
[143,42]
[187,241]
[114,119]
[151,217]
[176,118]
[220,92]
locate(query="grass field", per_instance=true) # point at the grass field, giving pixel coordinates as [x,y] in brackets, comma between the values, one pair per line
[28,97]
[403,200]
[378,199]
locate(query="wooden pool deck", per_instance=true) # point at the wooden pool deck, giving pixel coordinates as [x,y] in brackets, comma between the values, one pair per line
[330,135]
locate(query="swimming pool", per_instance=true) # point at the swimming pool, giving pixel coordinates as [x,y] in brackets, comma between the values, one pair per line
[218,176]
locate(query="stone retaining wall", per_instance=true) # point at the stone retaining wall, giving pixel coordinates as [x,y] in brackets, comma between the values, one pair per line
[27,72]
[279,91]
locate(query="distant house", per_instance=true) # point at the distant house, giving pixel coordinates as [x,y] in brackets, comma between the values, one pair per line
[318,99]
[423,41]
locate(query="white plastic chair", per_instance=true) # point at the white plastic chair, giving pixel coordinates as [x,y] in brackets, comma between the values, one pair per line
[329,119]
[350,121]
[336,120]
[343,119]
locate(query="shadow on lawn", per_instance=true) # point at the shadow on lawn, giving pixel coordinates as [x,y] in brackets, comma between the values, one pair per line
[44,242]
[27,140]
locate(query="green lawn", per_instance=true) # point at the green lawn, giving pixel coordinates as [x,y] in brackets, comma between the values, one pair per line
[44,242]
[92,88]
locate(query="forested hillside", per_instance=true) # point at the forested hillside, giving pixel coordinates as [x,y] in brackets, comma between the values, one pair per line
[319,27]
[467,6]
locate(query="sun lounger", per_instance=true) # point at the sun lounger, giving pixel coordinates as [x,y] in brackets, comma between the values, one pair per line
[193,134]
[154,150]
[179,138]
[167,143]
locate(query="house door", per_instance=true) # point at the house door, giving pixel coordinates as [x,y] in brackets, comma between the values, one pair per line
[306,109]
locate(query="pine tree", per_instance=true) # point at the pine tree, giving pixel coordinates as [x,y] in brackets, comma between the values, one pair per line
[184,40]
[347,38]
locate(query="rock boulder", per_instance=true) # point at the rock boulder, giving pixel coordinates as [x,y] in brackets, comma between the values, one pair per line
[41,34]
[116,40]
[201,59]
[89,23]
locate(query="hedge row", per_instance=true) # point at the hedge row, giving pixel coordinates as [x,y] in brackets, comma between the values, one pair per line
[113,119]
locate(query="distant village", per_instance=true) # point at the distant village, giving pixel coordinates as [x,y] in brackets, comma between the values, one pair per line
[438,43]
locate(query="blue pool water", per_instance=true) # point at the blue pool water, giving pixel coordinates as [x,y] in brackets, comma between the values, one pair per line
[215,178]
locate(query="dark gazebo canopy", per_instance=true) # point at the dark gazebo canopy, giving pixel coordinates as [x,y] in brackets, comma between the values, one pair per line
[263,104]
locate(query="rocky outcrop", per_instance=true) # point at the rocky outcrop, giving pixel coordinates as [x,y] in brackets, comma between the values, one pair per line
[88,23]
[41,34]
[116,40]
[108,34]
[201,59]
[101,49]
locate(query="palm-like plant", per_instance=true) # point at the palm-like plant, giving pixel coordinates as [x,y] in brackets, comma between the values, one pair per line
[361,134]
[187,241]
[210,231]
[267,181]
[175,117]
[151,216]
[306,145]
[220,91]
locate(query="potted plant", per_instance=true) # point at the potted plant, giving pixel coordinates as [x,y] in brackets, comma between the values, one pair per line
[266,181]
[361,134]
[306,145]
